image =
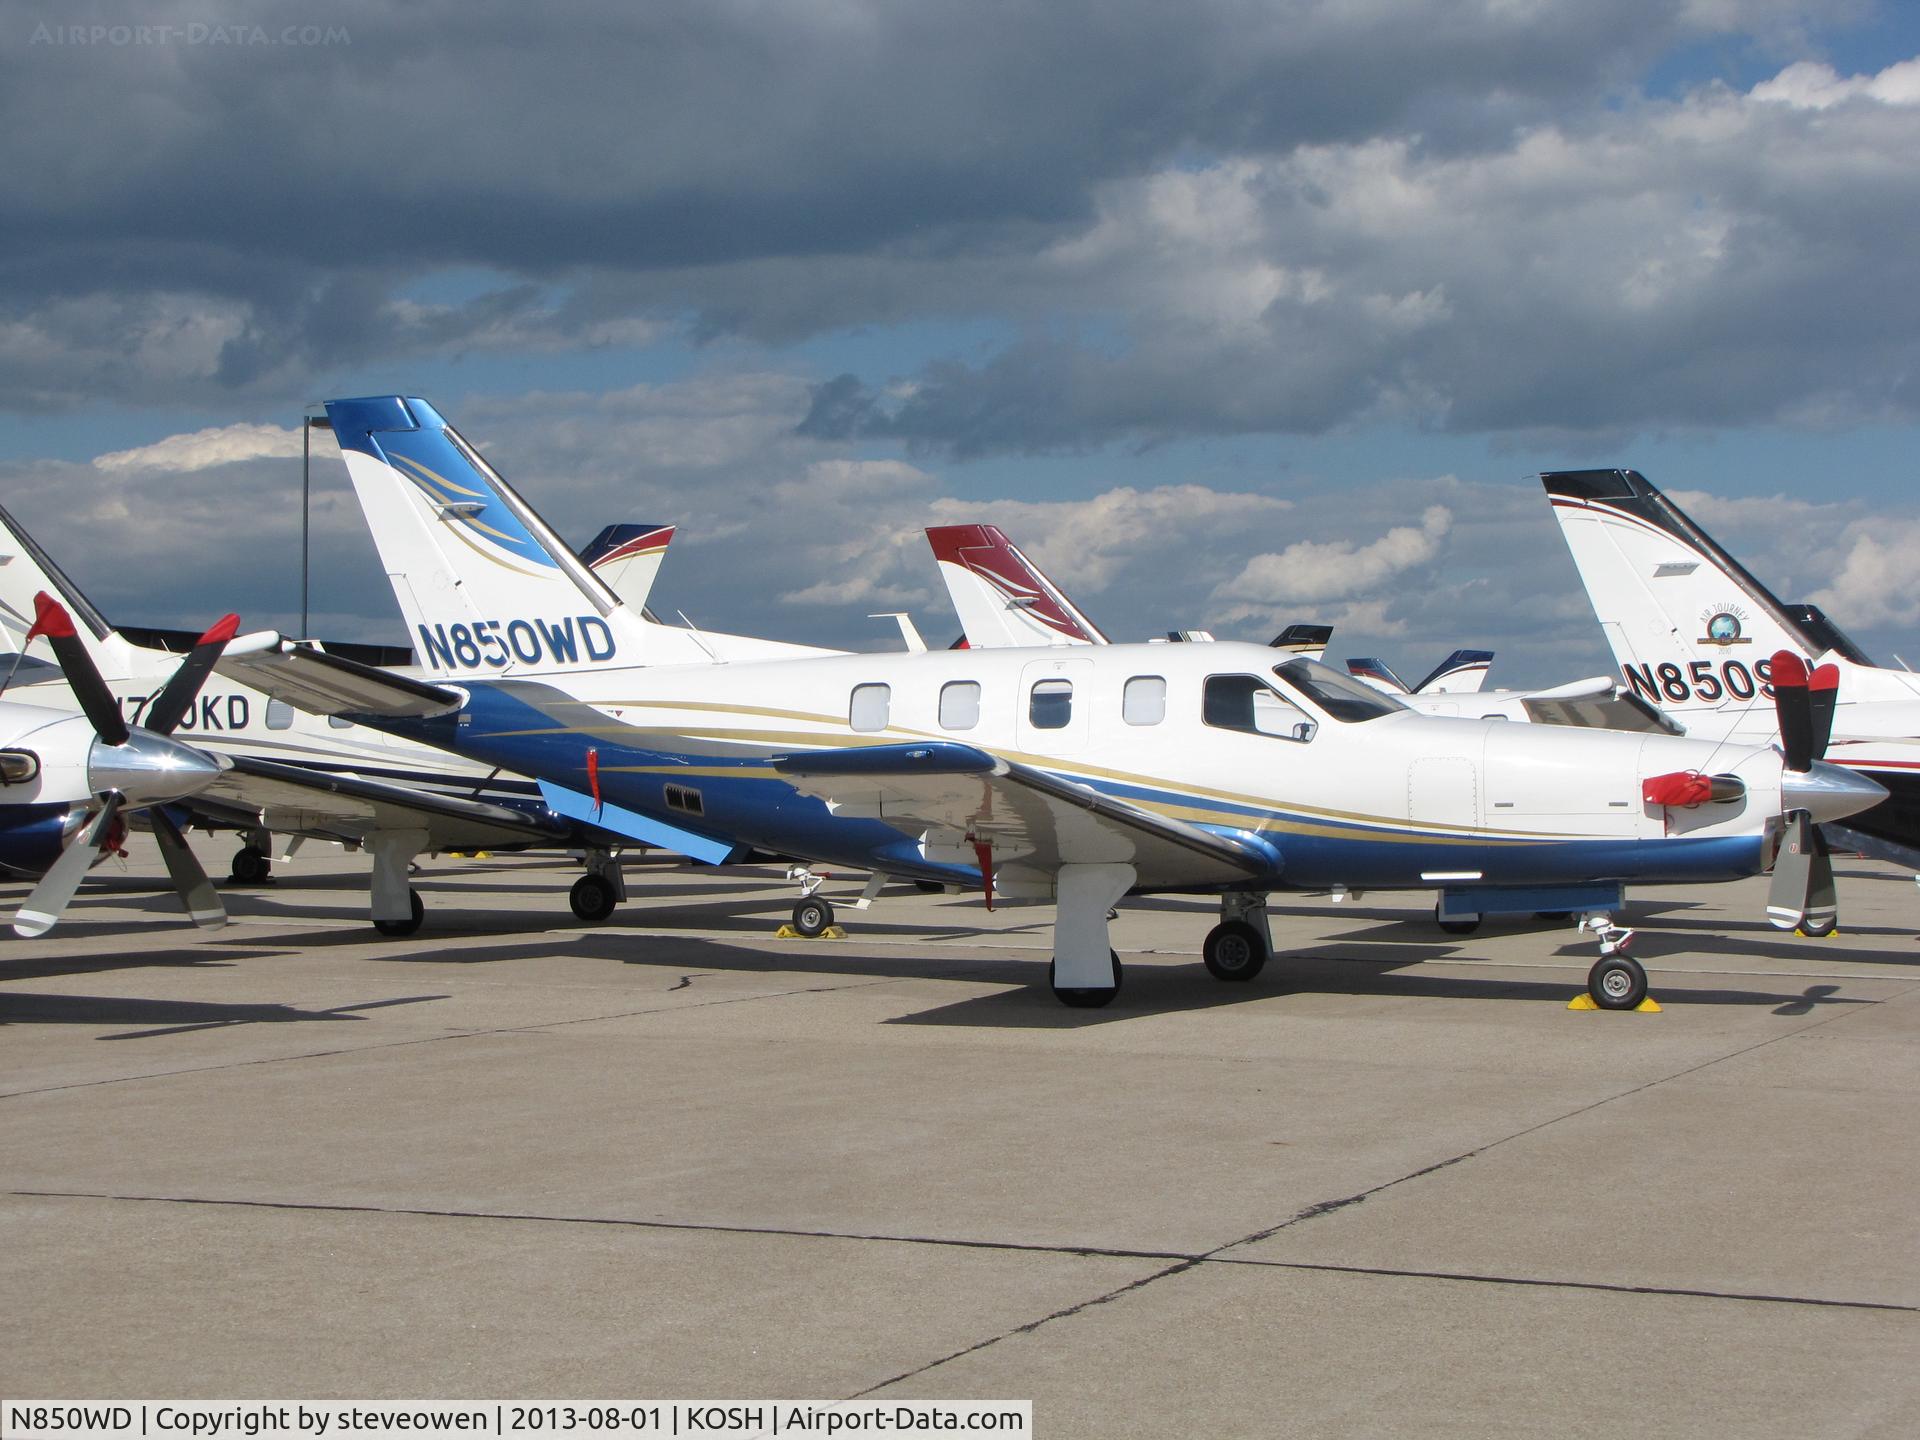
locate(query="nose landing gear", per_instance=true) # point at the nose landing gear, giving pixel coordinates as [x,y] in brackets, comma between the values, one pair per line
[1617,981]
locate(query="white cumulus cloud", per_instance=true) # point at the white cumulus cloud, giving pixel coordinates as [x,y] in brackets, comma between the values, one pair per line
[203,449]
[1322,570]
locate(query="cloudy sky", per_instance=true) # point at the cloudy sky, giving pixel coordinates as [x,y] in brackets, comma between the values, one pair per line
[1235,313]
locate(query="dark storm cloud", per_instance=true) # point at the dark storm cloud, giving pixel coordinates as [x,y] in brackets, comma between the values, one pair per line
[192,218]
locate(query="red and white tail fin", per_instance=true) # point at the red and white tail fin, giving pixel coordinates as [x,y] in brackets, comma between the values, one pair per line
[1002,597]
[627,558]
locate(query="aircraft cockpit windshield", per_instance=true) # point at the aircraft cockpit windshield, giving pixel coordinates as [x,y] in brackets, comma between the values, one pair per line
[1341,697]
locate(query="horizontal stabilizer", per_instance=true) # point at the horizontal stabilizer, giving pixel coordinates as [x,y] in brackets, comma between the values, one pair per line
[310,679]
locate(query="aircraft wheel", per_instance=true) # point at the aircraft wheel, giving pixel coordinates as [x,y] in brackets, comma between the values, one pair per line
[399,928]
[1234,950]
[592,898]
[812,916]
[1820,932]
[1088,997]
[1464,926]
[1617,982]
[251,865]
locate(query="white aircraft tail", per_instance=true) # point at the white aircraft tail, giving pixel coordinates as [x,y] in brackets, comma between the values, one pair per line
[1461,673]
[485,585]
[26,569]
[1690,627]
[1308,641]
[1376,673]
[627,558]
[1002,597]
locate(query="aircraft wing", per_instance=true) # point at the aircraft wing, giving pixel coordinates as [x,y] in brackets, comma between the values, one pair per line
[310,679]
[954,796]
[290,799]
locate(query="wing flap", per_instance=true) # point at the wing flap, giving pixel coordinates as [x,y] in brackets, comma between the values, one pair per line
[292,799]
[953,797]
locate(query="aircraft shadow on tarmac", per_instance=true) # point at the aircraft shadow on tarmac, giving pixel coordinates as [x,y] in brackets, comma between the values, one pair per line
[168,1017]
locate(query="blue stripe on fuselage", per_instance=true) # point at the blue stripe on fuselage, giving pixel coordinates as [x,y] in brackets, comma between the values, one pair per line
[759,808]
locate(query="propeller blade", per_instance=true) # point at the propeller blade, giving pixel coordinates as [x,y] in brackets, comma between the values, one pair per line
[1794,709]
[50,897]
[51,620]
[1788,895]
[1823,905]
[196,891]
[1823,690]
[184,688]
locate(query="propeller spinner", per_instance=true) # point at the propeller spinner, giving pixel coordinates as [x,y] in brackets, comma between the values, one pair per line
[129,768]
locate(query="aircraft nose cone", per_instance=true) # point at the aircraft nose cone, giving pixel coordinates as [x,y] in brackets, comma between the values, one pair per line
[1829,792]
[149,768]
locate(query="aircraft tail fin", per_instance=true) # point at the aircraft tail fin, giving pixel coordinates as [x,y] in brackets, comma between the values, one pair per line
[25,568]
[1002,597]
[1461,673]
[1690,627]
[1308,641]
[1377,674]
[627,558]
[485,584]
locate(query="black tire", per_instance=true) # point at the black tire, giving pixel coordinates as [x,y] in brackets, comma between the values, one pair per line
[812,916]
[1234,950]
[592,898]
[1617,982]
[1455,927]
[1089,998]
[1819,932]
[251,865]
[399,929]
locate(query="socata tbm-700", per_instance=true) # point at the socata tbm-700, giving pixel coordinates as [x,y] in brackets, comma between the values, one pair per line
[1072,776]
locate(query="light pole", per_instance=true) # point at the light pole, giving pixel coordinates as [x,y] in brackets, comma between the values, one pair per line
[310,423]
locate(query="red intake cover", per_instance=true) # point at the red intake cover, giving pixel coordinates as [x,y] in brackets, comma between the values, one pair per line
[1681,788]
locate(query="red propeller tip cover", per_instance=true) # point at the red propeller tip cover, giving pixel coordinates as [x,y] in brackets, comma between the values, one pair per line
[50,617]
[1824,677]
[1682,787]
[223,630]
[1789,670]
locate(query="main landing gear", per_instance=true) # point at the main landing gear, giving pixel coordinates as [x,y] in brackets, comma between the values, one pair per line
[396,906]
[1239,947]
[604,886]
[251,865]
[1617,981]
[1085,973]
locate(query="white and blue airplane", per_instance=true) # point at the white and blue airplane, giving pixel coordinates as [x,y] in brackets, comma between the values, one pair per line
[1076,775]
[1696,633]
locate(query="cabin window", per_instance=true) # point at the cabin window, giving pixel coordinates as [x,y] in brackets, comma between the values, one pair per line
[279,715]
[868,708]
[1250,705]
[1144,700]
[339,722]
[960,705]
[685,799]
[1050,705]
